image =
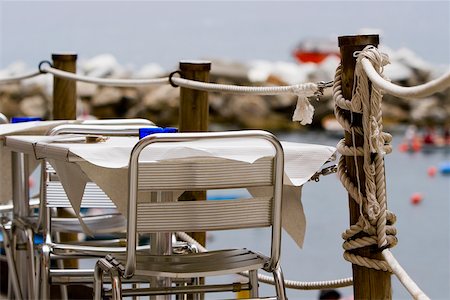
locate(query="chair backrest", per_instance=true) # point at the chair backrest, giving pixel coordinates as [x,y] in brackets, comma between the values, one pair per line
[93,196]
[204,174]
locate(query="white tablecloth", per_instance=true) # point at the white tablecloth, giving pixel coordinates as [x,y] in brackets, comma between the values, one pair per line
[106,163]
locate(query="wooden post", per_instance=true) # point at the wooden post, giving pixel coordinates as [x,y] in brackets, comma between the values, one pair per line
[64,90]
[64,108]
[194,108]
[367,283]
[193,116]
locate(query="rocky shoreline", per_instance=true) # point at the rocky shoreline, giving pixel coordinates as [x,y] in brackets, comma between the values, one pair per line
[160,103]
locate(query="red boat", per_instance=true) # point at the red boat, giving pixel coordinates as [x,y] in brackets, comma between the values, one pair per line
[315,50]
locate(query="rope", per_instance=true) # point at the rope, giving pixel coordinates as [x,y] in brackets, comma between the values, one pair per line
[292,284]
[105,81]
[18,78]
[375,223]
[419,91]
[306,88]
[303,113]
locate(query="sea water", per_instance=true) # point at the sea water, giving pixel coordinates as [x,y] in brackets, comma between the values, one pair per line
[423,229]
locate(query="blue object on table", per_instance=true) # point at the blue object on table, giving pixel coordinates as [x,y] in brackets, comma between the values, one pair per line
[143,132]
[24,119]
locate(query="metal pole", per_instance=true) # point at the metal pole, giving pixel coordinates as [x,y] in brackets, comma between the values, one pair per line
[21,207]
[367,283]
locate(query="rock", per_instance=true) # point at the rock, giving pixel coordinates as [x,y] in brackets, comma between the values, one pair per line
[428,110]
[103,65]
[106,96]
[34,106]
[151,71]
[86,90]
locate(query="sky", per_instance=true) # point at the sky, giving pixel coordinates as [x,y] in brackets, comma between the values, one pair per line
[142,32]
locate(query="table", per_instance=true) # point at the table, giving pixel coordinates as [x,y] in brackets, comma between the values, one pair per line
[105,163]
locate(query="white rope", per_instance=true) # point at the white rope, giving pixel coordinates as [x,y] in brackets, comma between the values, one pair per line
[375,221]
[292,284]
[305,88]
[18,78]
[105,81]
[404,278]
[303,113]
[419,91]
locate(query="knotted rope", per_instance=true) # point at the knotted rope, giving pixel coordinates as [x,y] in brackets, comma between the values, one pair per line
[375,223]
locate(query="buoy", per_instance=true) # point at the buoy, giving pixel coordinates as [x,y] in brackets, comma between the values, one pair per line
[403,147]
[445,168]
[416,198]
[432,171]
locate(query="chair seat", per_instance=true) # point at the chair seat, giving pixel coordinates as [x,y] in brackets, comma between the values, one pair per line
[204,264]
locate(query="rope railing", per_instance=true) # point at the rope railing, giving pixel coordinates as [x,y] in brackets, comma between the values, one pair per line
[18,78]
[303,113]
[104,81]
[375,223]
[291,284]
[420,91]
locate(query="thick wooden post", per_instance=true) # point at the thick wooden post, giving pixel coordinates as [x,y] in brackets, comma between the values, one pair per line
[193,117]
[64,90]
[194,108]
[367,283]
[64,108]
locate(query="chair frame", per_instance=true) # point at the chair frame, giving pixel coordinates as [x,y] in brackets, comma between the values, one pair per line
[129,269]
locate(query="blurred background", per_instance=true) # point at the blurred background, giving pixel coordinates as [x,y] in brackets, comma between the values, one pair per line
[262,43]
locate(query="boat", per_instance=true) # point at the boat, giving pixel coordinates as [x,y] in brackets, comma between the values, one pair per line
[315,50]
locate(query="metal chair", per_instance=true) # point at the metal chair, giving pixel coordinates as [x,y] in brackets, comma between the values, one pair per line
[30,225]
[198,216]
[112,222]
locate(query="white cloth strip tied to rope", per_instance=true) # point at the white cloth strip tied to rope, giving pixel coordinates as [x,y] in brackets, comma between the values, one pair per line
[18,78]
[419,91]
[375,221]
[292,284]
[303,113]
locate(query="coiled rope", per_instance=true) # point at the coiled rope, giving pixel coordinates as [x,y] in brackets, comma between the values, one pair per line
[292,284]
[375,221]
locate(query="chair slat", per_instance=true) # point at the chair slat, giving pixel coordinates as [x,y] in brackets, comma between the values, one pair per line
[204,215]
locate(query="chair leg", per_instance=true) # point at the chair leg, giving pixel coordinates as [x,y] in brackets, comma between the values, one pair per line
[14,279]
[98,281]
[31,263]
[45,270]
[63,287]
[253,280]
[101,266]
[279,283]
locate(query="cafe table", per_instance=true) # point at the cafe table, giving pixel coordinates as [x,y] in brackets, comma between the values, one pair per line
[105,162]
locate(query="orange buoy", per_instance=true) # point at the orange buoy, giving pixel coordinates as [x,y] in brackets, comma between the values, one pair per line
[403,147]
[432,171]
[416,198]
